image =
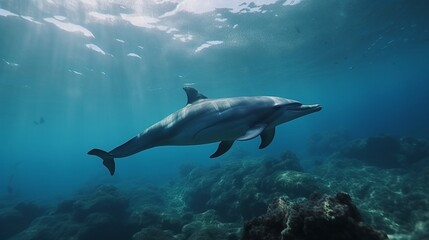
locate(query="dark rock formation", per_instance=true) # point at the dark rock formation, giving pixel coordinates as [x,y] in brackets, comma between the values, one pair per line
[325,144]
[153,234]
[320,218]
[242,188]
[14,220]
[207,226]
[394,200]
[386,177]
[387,151]
[100,215]
[107,199]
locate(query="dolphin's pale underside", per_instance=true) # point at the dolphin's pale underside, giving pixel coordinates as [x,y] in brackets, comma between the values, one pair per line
[204,120]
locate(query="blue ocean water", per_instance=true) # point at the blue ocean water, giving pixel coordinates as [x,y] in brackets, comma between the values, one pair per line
[75,75]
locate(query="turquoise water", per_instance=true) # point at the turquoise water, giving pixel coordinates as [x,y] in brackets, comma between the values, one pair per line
[76,75]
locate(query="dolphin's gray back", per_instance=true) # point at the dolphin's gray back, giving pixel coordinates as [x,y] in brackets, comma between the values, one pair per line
[205,121]
[212,120]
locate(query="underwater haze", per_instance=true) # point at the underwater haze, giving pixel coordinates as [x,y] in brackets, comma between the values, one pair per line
[77,75]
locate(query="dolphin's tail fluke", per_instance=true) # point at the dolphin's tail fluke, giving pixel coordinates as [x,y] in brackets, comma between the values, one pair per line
[108,159]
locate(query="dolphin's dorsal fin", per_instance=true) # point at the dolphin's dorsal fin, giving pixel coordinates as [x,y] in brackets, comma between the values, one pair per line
[193,95]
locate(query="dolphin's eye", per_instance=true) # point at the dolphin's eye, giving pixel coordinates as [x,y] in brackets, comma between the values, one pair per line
[277,107]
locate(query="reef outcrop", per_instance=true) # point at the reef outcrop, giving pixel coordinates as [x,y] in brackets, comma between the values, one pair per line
[242,188]
[101,214]
[321,217]
[17,218]
[387,151]
[254,198]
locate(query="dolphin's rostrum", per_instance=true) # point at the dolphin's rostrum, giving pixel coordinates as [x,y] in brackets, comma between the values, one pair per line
[204,120]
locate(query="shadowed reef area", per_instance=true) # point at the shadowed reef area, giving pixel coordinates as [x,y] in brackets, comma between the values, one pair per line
[371,188]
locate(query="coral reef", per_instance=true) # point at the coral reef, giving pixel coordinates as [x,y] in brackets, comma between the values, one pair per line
[152,233]
[319,218]
[100,215]
[242,188]
[389,199]
[14,220]
[208,226]
[387,151]
[390,189]
[385,176]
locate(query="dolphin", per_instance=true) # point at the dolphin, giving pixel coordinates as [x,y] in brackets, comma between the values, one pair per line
[205,120]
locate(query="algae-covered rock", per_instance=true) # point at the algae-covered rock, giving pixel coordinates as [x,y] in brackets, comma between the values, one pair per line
[287,161]
[14,220]
[106,199]
[50,227]
[153,234]
[208,226]
[321,217]
[211,232]
[382,151]
[103,226]
[293,184]
[389,199]
[421,230]
[213,202]
[241,188]
[101,214]
[387,151]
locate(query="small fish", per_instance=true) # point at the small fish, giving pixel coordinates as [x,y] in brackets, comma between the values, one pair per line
[41,121]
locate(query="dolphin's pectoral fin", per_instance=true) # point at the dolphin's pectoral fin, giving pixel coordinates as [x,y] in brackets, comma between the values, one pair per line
[193,95]
[253,132]
[108,159]
[223,147]
[267,137]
